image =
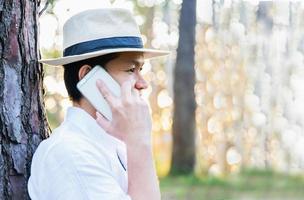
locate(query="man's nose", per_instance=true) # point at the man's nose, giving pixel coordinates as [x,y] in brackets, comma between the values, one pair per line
[141,83]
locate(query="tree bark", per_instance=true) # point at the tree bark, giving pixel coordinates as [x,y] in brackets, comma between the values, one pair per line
[23,123]
[183,159]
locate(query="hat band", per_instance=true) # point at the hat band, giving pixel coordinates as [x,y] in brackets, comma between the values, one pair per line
[104,43]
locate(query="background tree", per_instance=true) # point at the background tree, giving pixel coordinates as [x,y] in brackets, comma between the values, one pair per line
[184,98]
[23,124]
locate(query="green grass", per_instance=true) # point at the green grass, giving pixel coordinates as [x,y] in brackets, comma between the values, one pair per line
[247,185]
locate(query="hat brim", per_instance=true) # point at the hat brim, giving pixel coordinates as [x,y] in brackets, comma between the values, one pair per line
[148,53]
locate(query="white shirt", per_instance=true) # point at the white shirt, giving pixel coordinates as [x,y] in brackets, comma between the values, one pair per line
[79,161]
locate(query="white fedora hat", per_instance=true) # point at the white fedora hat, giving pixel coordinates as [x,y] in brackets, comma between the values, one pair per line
[98,32]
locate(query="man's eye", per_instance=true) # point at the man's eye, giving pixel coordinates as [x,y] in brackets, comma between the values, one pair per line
[131,70]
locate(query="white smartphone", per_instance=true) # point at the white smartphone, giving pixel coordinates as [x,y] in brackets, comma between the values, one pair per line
[87,87]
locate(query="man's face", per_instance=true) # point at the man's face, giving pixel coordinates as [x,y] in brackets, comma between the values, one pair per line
[128,66]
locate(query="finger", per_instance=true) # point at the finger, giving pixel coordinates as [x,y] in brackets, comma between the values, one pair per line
[126,89]
[106,93]
[102,121]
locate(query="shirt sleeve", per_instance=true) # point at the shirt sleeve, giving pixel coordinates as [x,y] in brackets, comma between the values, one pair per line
[78,172]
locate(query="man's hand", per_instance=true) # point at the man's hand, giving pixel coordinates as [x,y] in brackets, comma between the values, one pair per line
[131,122]
[131,119]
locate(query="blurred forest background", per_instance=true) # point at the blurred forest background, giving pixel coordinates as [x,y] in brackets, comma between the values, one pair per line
[249,93]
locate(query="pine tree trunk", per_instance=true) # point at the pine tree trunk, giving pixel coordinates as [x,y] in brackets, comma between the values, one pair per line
[184,98]
[22,117]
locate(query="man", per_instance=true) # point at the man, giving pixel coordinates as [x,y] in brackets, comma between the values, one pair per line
[87,156]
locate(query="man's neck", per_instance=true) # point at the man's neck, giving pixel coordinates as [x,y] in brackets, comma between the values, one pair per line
[86,106]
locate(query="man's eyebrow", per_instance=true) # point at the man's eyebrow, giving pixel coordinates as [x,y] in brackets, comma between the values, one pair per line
[137,63]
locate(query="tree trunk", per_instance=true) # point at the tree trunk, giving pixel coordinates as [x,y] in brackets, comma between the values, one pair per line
[23,123]
[184,98]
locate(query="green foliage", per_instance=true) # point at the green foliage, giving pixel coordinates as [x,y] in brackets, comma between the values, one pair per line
[53,53]
[52,119]
[249,184]
[180,171]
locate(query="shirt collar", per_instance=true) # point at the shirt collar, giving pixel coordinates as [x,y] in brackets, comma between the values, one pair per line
[81,119]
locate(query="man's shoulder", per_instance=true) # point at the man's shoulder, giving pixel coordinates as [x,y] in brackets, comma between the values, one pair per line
[63,142]
[64,154]
[60,137]
[66,143]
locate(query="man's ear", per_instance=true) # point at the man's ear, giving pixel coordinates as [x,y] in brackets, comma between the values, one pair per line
[83,71]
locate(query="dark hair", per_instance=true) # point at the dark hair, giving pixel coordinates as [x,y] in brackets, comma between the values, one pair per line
[71,73]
